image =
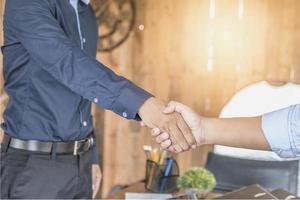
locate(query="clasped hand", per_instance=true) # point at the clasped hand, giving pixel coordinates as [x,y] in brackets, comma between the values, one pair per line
[176,127]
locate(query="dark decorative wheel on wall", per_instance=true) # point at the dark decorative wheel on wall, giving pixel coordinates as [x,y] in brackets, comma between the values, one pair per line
[116,20]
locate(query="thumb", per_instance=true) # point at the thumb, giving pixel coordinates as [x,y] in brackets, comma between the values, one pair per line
[142,123]
[175,106]
[170,107]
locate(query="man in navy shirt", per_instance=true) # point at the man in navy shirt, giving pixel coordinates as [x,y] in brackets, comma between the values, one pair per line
[51,76]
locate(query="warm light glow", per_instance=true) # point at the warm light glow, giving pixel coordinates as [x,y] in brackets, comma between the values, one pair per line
[210,51]
[212,9]
[237,67]
[141,27]
[210,65]
[210,61]
[227,34]
[233,36]
[207,104]
[241,9]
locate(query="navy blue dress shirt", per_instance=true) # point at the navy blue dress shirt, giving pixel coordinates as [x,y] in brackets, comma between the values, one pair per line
[51,74]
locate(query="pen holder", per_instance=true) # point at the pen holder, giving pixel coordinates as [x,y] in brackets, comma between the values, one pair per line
[157,182]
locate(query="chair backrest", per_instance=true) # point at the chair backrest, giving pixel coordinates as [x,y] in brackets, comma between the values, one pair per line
[254,100]
[233,173]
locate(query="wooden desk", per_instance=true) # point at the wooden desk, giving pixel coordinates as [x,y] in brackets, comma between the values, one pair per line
[139,187]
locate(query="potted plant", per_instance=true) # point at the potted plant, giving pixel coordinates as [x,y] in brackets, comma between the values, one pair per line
[197,182]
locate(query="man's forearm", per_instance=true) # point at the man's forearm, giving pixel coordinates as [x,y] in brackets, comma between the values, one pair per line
[235,132]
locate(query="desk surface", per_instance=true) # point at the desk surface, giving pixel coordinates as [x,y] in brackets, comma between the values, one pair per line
[139,187]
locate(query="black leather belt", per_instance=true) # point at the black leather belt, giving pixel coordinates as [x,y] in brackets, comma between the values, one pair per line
[74,148]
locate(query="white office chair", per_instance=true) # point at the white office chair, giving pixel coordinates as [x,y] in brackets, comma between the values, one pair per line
[254,100]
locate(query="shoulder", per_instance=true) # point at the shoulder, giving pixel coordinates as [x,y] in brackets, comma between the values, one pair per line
[28,6]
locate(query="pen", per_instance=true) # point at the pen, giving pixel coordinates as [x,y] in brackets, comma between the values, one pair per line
[155,155]
[167,172]
[162,156]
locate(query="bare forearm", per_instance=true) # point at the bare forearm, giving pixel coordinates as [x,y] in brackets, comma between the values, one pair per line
[235,132]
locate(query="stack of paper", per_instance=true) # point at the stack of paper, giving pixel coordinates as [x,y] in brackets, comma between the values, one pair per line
[147,196]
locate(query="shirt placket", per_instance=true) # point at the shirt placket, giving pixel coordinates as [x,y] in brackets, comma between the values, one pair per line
[74,4]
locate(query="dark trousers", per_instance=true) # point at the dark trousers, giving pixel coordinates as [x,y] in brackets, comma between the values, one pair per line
[31,175]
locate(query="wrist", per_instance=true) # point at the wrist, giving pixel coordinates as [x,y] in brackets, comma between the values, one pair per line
[150,103]
[209,131]
[151,112]
[144,106]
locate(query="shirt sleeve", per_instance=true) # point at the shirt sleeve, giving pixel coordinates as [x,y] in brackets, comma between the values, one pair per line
[282,130]
[35,27]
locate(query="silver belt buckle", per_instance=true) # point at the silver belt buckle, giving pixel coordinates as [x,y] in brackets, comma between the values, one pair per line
[91,142]
[88,143]
[75,151]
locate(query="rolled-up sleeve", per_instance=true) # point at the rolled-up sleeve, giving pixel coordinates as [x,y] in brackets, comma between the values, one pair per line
[34,25]
[282,131]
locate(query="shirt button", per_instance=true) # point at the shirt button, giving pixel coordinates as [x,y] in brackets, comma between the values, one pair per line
[83,40]
[124,114]
[84,123]
[96,100]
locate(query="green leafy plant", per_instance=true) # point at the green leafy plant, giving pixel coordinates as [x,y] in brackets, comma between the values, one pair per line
[198,178]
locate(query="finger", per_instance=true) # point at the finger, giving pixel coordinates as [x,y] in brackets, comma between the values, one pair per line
[181,141]
[175,147]
[166,144]
[155,132]
[162,137]
[142,123]
[178,148]
[94,190]
[194,146]
[171,149]
[172,107]
[96,179]
[177,138]
[177,151]
[184,128]
[96,186]
[174,140]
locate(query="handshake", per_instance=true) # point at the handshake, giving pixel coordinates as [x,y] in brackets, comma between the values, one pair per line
[176,127]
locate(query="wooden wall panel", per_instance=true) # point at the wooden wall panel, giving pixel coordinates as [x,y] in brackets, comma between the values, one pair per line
[170,59]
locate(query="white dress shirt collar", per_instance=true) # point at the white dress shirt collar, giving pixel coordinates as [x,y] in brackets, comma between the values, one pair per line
[84,1]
